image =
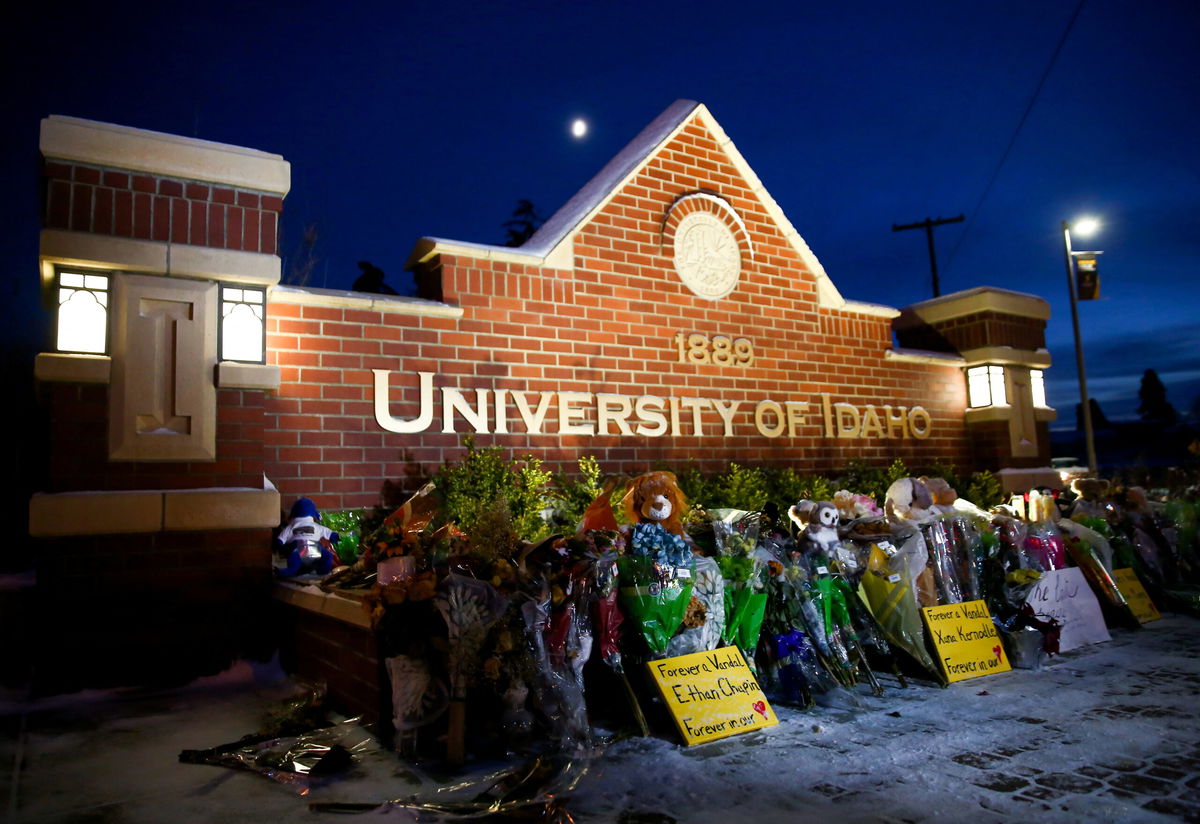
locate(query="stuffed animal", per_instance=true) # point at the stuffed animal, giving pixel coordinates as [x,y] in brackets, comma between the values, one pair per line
[1090,501]
[654,502]
[656,498]
[309,544]
[852,506]
[820,522]
[908,500]
[942,493]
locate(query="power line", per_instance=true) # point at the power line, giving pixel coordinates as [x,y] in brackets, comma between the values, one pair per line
[1016,132]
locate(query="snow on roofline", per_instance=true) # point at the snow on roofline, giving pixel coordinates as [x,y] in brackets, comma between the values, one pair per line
[559,225]
[562,222]
[550,245]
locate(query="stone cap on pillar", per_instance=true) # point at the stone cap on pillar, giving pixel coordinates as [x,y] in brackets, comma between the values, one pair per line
[982,318]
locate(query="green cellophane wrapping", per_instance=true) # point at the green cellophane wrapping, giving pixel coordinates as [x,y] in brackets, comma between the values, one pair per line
[744,611]
[655,601]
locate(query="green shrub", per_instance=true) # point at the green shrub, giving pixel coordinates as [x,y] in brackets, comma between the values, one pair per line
[984,490]
[572,496]
[870,480]
[787,486]
[473,485]
[739,487]
[696,486]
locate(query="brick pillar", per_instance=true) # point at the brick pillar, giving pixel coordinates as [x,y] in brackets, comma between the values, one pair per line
[1001,336]
[153,528]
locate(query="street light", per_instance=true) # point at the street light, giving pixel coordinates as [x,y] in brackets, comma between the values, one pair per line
[1083,227]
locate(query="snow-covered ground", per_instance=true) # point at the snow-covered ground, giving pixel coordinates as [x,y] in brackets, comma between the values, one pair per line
[1104,733]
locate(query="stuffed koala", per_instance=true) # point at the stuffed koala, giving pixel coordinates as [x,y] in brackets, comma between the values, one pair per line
[820,522]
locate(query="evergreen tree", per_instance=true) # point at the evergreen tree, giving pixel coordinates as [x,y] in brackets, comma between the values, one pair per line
[1154,406]
[524,222]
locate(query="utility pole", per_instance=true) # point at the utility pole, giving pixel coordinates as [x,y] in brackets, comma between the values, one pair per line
[928,225]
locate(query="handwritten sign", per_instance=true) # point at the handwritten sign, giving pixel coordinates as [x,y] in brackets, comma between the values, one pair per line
[1139,600]
[712,695]
[966,640]
[1063,594]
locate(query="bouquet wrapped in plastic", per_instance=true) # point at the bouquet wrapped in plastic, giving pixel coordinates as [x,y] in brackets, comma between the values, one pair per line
[656,584]
[1044,542]
[744,572]
[836,600]
[1087,548]
[799,672]
[658,574]
[943,560]
[469,607]
[970,552]
[703,626]
[887,586]
[558,694]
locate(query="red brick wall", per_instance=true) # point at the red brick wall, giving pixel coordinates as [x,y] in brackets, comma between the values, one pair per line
[78,445]
[342,656]
[158,608]
[149,207]
[605,326]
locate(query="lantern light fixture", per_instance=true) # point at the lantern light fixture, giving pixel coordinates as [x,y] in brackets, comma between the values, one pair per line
[243,331]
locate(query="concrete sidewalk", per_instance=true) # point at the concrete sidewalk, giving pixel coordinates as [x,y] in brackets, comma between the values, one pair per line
[1105,733]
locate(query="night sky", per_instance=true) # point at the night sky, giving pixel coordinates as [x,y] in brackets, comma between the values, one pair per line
[403,120]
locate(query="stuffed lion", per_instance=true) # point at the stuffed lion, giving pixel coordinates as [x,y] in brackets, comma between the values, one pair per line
[656,497]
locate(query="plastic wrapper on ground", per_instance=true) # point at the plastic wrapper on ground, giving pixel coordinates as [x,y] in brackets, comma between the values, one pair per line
[295,761]
[538,790]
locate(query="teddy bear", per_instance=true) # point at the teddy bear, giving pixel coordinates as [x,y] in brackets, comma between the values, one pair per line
[309,543]
[1090,500]
[908,500]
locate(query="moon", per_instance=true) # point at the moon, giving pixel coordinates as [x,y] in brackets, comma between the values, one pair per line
[579,127]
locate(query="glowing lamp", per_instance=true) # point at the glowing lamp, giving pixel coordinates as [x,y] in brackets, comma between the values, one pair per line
[985,386]
[82,316]
[243,324]
[1037,387]
[1085,226]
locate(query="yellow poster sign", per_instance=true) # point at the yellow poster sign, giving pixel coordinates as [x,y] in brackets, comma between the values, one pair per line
[712,695]
[1139,600]
[966,640]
